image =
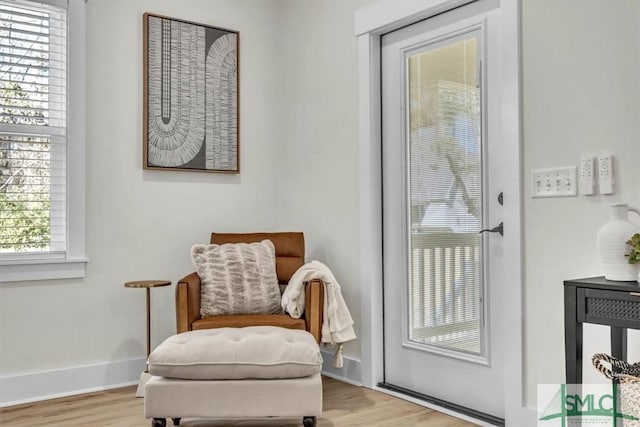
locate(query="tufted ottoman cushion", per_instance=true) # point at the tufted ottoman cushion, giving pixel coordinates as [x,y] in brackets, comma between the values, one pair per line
[256,352]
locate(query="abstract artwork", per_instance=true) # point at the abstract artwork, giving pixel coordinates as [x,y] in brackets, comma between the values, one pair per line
[190,96]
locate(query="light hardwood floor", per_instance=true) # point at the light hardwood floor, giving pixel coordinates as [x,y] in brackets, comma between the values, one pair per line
[344,406]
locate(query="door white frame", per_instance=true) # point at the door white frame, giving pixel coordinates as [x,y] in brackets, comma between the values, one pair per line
[370,24]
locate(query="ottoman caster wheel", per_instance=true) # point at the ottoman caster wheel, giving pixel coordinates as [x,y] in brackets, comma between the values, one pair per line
[158,422]
[309,421]
[176,421]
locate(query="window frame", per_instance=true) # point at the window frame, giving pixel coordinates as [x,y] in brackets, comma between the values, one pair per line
[73,263]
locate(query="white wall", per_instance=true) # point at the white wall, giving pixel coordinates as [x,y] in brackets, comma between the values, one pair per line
[300,170]
[318,123]
[581,97]
[141,224]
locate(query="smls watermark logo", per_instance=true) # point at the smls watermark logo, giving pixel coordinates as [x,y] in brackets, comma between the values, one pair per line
[592,405]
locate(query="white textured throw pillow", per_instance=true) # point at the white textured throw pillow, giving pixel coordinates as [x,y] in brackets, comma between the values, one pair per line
[237,278]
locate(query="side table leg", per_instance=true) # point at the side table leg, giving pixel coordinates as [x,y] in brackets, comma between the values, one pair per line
[148,323]
[619,343]
[572,338]
[145,376]
[619,351]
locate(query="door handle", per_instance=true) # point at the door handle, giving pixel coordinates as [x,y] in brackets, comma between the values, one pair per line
[497,229]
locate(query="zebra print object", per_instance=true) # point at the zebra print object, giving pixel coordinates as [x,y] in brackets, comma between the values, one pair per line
[237,278]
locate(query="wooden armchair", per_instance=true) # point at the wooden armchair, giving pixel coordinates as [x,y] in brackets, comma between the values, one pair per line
[289,257]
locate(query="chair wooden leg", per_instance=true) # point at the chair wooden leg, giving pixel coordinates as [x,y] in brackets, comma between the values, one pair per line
[309,421]
[158,422]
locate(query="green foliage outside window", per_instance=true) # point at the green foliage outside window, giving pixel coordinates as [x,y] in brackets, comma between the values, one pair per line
[25,199]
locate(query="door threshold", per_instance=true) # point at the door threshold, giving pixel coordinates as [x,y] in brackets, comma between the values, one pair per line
[447,407]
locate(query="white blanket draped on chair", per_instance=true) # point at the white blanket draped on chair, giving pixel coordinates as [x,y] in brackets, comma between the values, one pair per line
[337,324]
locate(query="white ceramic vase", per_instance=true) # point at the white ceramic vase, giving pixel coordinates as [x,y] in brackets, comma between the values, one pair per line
[612,246]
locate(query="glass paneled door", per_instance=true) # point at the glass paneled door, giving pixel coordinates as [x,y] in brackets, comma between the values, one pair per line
[441,174]
[445,167]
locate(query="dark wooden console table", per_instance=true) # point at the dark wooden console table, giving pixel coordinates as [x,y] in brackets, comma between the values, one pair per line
[603,302]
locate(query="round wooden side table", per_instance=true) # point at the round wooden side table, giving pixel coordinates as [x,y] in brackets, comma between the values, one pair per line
[146,284]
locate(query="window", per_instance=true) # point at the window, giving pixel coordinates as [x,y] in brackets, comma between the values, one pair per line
[41,214]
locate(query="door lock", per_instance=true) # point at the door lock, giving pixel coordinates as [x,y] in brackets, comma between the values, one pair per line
[497,229]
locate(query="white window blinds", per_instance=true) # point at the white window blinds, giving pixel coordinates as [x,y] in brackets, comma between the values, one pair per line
[33,121]
[445,179]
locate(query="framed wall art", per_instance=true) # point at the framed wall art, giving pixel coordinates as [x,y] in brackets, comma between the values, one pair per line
[190,96]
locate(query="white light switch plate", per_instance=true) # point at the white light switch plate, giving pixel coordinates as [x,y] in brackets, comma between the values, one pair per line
[587,176]
[606,178]
[554,182]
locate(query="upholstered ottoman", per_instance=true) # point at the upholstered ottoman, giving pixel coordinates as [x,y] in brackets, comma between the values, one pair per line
[258,371]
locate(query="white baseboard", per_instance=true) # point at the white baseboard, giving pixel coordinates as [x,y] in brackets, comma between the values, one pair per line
[350,373]
[19,389]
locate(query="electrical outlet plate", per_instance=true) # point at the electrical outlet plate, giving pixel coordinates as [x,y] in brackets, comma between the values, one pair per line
[554,182]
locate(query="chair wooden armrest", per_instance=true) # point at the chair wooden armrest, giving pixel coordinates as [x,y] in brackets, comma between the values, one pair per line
[187,302]
[314,304]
